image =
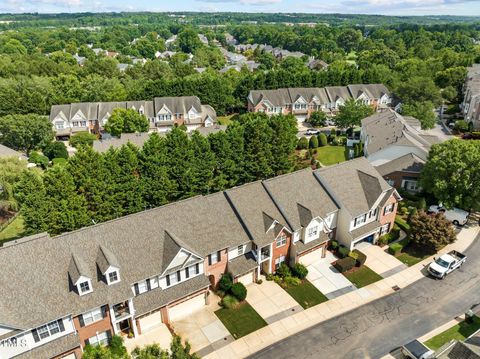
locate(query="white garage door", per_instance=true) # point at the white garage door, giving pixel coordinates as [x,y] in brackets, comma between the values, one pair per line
[150,321]
[246,279]
[184,309]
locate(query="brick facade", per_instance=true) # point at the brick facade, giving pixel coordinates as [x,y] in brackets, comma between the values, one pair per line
[88,331]
[389,217]
[277,252]
[215,271]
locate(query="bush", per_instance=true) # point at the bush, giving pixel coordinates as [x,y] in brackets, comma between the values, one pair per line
[299,271]
[225,282]
[333,245]
[343,251]
[322,140]
[345,264]
[59,161]
[317,118]
[283,271]
[82,139]
[292,281]
[360,257]
[331,137]
[269,276]
[422,204]
[395,248]
[302,143]
[461,126]
[229,301]
[38,159]
[239,291]
[400,222]
[55,150]
[313,143]
[259,281]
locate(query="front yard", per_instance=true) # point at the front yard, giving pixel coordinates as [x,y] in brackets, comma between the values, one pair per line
[411,255]
[461,331]
[330,155]
[240,320]
[363,276]
[306,294]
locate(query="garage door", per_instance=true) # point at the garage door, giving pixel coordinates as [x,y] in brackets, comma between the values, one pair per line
[184,309]
[246,279]
[150,321]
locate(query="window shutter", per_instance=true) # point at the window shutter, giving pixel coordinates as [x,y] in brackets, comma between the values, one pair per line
[35,335]
[187,272]
[148,285]
[219,256]
[104,311]
[81,321]
[60,324]
[355,222]
[87,342]
[168,279]
[136,289]
[209,259]
[109,336]
[178,276]
[384,210]
[197,268]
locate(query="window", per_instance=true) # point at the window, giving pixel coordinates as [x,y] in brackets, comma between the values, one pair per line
[388,208]
[75,124]
[197,268]
[113,277]
[142,287]
[300,106]
[240,250]
[84,287]
[43,332]
[164,117]
[83,123]
[279,261]
[93,316]
[384,229]
[313,231]
[47,330]
[360,220]
[99,339]
[59,125]
[281,241]
[214,258]
[153,283]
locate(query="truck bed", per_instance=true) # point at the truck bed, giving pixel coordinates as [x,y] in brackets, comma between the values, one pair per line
[457,255]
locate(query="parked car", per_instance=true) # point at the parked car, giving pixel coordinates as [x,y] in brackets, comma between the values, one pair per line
[456,215]
[329,123]
[312,131]
[446,264]
[416,350]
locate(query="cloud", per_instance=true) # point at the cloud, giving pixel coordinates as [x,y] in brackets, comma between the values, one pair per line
[245,2]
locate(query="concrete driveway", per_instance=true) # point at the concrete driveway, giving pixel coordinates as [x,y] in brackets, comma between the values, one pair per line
[324,276]
[159,335]
[203,330]
[271,301]
[380,261]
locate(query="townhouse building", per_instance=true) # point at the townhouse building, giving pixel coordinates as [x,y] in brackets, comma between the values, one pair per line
[129,275]
[470,106]
[162,113]
[301,102]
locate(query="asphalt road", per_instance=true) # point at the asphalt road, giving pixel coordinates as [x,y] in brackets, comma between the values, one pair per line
[375,329]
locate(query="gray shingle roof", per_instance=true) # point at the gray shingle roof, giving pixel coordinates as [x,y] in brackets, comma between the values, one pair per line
[406,163]
[106,258]
[277,98]
[354,183]
[77,269]
[181,104]
[365,229]
[301,247]
[300,197]
[6,152]
[53,348]
[256,210]
[242,264]
[338,92]
[106,108]
[137,139]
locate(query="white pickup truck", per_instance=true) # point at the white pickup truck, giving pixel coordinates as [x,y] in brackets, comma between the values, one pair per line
[446,264]
[456,215]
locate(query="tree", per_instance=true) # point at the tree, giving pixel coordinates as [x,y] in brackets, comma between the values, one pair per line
[126,121]
[177,351]
[449,93]
[349,39]
[452,173]
[82,139]
[10,172]
[283,142]
[313,143]
[302,143]
[431,232]
[318,119]
[419,89]
[25,132]
[115,350]
[188,41]
[423,111]
[55,150]
[352,113]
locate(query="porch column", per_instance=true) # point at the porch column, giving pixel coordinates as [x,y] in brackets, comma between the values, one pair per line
[131,309]
[112,319]
[270,249]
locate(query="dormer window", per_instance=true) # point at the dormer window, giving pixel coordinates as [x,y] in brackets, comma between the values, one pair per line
[84,287]
[113,277]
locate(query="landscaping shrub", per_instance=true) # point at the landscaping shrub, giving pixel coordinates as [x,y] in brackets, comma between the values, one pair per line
[404,210]
[229,301]
[55,150]
[390,237]
[422,204]
[331,137]
[299,271]
[333,245]
[395,248]
[345,264]
[225,282]
[38,159]
[360,257]
[82,139]
[461,126]
[400,222]
[343,251]
[269,276]
[313,143]
[59,161]
[302,143]
[322,140]
[283,271]
[383,240]
[292,281]
[239,291]
[259,281]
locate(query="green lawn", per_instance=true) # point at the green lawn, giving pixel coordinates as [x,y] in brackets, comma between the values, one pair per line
[306,294]
[362,277]
[13,231]
[241,320]
[330,155]
[412,255]
[460,331]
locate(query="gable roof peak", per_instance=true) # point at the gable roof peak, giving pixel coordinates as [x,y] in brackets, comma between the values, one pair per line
[371,187]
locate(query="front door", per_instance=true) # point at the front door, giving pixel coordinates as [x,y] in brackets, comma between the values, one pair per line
[124,326]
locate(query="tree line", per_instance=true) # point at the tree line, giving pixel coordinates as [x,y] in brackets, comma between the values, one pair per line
[93,187]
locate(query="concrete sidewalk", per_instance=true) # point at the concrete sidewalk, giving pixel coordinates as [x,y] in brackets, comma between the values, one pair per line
[295,323]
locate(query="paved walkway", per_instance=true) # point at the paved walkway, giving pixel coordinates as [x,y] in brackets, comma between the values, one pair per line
[293,324]
[159,335]
[324,276]
[203,330]
[271,301]
[380,261]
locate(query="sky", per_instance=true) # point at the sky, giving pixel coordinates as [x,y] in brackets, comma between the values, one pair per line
[384,7]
